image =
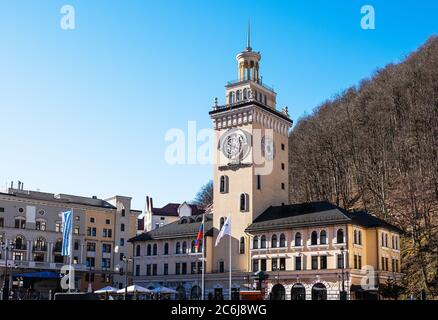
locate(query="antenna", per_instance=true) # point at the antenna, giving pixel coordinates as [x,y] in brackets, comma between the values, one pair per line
[248,40]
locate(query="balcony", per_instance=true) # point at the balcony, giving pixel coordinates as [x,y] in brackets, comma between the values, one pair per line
[260,83]
[21,247]
[39,248]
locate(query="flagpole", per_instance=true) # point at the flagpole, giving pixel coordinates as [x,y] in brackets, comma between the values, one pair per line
[230,265]
[71,253]
[203,258]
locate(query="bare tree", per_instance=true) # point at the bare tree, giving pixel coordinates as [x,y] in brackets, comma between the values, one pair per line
[204,197]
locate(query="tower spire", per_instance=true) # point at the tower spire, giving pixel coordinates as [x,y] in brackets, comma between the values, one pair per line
[248,40]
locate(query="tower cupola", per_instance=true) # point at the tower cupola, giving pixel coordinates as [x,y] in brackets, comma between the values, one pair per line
[248,61]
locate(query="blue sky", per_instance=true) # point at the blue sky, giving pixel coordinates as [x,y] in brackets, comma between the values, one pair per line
[85,111]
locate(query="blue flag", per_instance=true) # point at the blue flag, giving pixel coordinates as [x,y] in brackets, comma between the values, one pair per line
[67,223]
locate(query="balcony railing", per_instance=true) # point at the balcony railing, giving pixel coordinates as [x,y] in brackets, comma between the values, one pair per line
[39,248]
[233,82]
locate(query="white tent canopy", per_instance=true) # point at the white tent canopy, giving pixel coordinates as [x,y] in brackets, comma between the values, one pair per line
[108,289]
[164,290]
[135,289]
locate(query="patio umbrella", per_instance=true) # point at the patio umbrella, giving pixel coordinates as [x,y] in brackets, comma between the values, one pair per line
[108,289]
[164,290]
[135,289]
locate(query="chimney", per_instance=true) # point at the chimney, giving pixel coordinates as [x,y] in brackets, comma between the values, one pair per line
[22,186]
[147,204]
[151,205]
[12,184]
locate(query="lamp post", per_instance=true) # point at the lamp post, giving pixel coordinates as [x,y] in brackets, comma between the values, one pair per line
[6,247]
[127,261]
[343,294]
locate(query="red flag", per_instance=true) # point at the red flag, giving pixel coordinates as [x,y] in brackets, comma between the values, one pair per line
[200,235]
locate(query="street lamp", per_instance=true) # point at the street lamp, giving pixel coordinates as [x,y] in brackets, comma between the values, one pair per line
[6,247]
[343,294]
[127,261]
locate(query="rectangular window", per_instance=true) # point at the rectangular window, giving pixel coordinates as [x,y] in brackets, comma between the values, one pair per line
[396,266]
[282,186]
[123,212]
[315,263]
[221,266]
[355,261]
[106,248]
[91,247]
[282,146]
[298,263]
[184,268]
[122,227]
[263,264]
[122,242]
[137,270]
[282,166]
[199,267]
[57,227]
[193,267]
[91,262]
[166,269]
[121,255]
[282,264]
[359,262]
[154,269]
[108,221]
[323,262]
[274,264]
[75,230]
[92,220]
[148,269]
[2,222]
[340,263]
[259,182]
[387,264]
[255,265]
[177,268]
[383,264]
[106,263]
[76,245]
[2,210]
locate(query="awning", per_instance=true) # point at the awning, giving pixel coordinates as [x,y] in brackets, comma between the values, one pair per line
[38,275]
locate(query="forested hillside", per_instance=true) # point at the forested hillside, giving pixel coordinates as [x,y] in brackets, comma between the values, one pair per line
[375,147]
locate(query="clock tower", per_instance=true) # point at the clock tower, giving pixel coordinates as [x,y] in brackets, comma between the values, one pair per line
[251,159]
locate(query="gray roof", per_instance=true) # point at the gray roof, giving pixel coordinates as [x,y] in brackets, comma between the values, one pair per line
[312,214]
[184,227]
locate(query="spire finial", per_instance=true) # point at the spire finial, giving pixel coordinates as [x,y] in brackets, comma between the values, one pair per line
[248,41]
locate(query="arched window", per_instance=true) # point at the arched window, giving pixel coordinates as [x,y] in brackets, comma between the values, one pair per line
[245,94]
[184,247]
[178,248]
[274,241]
[193,247]
[282,240]
[137,250]
[154,250]
[20,243]
[355,236]
[238,95]
[359,237]
[340,236]
[244,205]
[149,250]
[223,184]
[314,238]
[255,242]
[40,244]
[242,245]
[230,98]
[166,248]
[221,222]
[323,237]
[298,239]
[263,242]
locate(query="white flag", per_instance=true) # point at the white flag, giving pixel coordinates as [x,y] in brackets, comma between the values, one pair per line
[226,229]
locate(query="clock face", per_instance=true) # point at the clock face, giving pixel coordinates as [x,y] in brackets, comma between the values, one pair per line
[235,144]
[268,148]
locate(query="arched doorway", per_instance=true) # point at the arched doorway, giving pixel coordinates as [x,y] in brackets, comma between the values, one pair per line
[195,293]
[181,295]
[298,292]
[319,292]
[278,292]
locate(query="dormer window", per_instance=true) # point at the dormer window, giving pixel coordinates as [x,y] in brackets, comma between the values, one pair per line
[245,94]
[238,95]
[223,184]
[230,98]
